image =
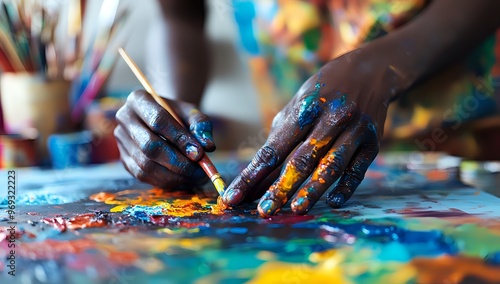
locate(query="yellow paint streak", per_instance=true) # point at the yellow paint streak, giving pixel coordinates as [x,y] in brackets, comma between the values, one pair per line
[318,145]
[281,272]
[336,266]
[289,177]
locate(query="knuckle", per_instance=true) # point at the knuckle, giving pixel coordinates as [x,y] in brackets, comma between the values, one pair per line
[303,163]
[150,148]
[201,117]
[137,172]
[147,166]
[135,95]
[278,119]
[117,133]
[180,138]
[335,167]
[266,156]
[141,175]
[156,120]
[187,169]
[355,176]
[121,114]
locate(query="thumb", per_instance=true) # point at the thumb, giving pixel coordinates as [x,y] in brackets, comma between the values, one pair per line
[199,123]
[201,127]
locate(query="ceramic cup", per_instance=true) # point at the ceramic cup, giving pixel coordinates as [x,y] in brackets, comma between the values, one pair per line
[30,100]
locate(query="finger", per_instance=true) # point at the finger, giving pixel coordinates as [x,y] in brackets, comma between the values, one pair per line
[148,171]
[326,173]
[263,186]
[278,146]
[353,176]
[199,123]
[342,155]
[154,147]
[305,158]
[162,123]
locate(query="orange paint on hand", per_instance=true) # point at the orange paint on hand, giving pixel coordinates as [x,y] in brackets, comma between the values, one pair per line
[323,165]
[285,183]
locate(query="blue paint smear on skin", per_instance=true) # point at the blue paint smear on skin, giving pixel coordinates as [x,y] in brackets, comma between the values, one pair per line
[202,130]
[310,108]
[335,104]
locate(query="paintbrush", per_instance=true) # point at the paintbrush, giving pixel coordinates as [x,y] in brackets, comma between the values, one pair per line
[205,163]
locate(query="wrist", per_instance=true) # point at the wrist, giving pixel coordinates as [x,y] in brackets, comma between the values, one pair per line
[388,69]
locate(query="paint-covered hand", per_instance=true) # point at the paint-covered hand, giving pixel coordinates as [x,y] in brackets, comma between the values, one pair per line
[329,131]
[156,149]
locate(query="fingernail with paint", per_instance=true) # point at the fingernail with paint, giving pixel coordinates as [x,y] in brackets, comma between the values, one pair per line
[192,151]
[232,197]
[301,205]
[267,208]
[336,200]
[207,135]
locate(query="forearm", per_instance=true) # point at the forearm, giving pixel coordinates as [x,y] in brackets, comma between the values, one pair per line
[446,31]
[187,48]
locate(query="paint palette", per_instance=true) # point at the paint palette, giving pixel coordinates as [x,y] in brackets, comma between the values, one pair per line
[98,225]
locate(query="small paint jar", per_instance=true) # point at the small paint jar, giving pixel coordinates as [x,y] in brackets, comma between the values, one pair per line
[70,150]
[17,151]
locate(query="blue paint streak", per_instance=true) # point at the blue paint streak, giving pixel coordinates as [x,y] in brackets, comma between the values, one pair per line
[44,199]
[419,242]
[144,212]
[493,258]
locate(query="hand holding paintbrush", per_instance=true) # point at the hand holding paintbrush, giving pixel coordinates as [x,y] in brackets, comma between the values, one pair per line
[204,162]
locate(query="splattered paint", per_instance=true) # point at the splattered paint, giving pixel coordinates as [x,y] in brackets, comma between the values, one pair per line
[384,234]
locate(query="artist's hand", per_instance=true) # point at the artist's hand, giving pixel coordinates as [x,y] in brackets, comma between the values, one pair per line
[155,148]
[330,130]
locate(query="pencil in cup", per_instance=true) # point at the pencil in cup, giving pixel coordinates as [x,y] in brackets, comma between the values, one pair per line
[205,162]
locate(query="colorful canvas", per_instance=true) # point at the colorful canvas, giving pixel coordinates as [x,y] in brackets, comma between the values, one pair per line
[98,225]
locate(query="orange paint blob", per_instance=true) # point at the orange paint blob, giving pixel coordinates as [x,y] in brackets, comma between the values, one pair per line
[102,196]
[89,220]
[448,269]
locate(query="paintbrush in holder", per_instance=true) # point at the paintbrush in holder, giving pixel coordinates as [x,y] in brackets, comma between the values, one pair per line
[51,71]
